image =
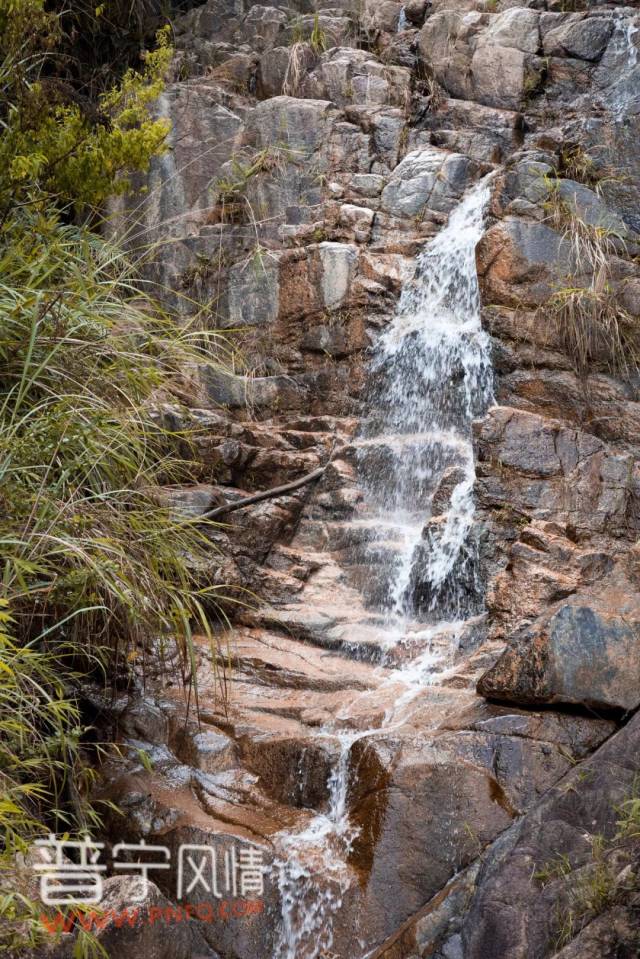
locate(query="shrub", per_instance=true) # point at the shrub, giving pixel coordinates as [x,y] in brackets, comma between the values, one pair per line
[82,454]
[55,144]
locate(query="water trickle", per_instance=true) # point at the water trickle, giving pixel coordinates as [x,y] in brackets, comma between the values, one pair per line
[403,22]
[312,870]
[623,94]
[431,375]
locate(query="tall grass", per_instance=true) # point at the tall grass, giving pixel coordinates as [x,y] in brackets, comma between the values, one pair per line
[94,570]
[594,328]
[82,452]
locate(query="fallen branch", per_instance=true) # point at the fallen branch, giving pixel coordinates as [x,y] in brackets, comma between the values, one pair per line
[264,494]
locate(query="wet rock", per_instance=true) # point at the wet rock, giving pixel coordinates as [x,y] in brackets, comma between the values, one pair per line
[202,139]
[293,770]
[436,923]
[465,787]
[142,719]
[427,179]
[451,478]
[209,750]
[399,49]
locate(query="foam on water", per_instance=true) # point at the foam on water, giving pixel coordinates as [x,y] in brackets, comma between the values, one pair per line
[403,23]
[311,869]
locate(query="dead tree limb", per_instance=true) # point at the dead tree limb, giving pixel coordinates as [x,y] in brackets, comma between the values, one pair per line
[264,494]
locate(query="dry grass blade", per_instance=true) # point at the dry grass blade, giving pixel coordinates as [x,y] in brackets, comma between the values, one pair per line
[592,326]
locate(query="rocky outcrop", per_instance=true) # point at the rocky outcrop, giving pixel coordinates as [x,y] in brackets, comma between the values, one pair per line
[315,153]
[535,890]
[583,651]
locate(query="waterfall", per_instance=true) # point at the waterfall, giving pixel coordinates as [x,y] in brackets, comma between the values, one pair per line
[431,375]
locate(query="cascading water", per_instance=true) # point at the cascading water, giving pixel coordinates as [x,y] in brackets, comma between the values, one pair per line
[431,376]
[312,872]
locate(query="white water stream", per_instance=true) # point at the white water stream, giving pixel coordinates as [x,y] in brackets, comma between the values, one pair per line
[621,61]
[431,376]
[403,23]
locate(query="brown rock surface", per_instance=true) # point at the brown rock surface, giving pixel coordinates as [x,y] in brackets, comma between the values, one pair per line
[367,139]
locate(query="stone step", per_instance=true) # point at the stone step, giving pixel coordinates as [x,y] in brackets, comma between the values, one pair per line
[273,659]
[318,536]
[313,627]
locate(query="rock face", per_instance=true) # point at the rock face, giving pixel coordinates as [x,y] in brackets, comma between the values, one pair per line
[140,933]
[403,790]
[532,891]
[585,654]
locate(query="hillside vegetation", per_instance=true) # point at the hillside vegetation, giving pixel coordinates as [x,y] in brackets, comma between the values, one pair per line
[94,568]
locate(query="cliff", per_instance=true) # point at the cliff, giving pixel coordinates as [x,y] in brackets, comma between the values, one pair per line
[435,765]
